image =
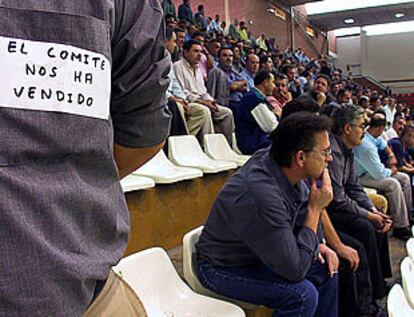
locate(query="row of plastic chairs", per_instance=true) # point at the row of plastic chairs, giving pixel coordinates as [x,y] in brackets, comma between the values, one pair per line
[400,302]
[152,276]
[186,161]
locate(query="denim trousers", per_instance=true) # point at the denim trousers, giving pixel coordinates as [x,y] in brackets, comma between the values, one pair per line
[316,295]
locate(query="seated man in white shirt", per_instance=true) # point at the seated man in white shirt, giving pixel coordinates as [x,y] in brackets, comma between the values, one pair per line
[191,80]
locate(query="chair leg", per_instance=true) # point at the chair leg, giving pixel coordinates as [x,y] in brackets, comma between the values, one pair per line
[259,312]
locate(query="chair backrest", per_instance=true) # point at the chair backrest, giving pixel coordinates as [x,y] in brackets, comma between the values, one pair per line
[216,147]
[410,248]
[234,144]
[189,241]
[397,304]
[185,149]
[134,182]
[151,275]
[407,274]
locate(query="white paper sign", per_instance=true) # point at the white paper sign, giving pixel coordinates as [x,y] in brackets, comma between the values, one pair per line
[54,77]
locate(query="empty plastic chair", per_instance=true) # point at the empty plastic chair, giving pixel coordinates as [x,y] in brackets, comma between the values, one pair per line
[133,182]
[184,150]
[407,274]
[397,304]
[217,148]
[190,272]
[162,171]
[152,276]
[234,144]
[410,248]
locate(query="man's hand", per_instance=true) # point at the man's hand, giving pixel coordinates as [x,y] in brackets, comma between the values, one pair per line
[377,220]
[320,198]
[392,161]
[393,169]
[321,98]
[211,104]
[286,95]
[387,222]
[349,254]
[329,257]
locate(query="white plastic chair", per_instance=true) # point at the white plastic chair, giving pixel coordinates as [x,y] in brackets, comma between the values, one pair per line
[162,171]
[190,272]
[407,274]
[217,147]
[134,182]
[184,150]
[234,144]
[410,248]
[397,303]
[369,190]
[152,276]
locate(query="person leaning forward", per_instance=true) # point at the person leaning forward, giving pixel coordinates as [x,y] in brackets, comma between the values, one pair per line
[254,246]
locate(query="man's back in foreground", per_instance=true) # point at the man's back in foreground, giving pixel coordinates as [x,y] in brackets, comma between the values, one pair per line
[73,74]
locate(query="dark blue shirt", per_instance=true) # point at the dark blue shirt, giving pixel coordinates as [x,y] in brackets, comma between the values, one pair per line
[185,13]
[255,218]
[400,153]
[250,137]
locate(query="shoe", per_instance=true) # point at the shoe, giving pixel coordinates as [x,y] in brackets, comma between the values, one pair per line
[402,233]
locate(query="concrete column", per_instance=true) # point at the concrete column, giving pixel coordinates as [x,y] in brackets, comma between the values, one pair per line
[227,12]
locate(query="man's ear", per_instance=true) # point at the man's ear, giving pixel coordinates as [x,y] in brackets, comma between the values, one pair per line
[300,158]
[347,128]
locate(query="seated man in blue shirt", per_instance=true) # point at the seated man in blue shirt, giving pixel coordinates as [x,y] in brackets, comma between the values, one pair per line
[372,173]
[224,84]
[260,242]
[252,66]
[253,118]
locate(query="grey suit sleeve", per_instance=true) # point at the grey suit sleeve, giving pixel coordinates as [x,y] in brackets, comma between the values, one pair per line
[342,201]
[140,75]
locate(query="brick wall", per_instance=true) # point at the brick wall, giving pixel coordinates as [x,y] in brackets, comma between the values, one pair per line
[263,21]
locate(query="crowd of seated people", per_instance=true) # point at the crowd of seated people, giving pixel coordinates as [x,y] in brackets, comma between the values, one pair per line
[316,138]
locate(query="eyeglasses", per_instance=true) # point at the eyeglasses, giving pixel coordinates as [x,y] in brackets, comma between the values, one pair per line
[325,153]
[361,126]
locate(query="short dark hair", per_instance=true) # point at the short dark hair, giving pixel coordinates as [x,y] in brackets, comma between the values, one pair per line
[179,30]
[263,59]
[328,80]
[295,133]
[261,76]
[362,99]
[296,106]
[198,33]
[373,99]
[189,44]
[376,121]
[280,76]
[346,114]
[287,67]
[200,7]
[341,92]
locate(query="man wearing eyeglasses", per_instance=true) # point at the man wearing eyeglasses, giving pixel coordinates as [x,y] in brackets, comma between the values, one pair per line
[262,237]
[353,214]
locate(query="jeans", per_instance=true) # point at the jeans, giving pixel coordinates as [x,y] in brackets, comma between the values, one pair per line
[317,295]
